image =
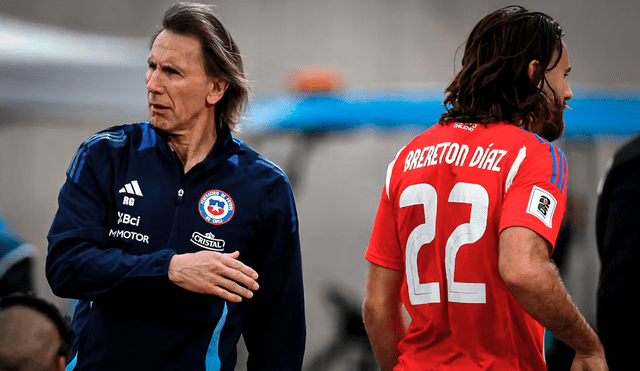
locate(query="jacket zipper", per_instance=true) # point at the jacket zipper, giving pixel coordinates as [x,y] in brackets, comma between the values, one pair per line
[178,202]
[180,193]
[175,216]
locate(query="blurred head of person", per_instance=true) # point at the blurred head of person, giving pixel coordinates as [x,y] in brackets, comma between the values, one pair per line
[513,70]
[194,65]
[34,336]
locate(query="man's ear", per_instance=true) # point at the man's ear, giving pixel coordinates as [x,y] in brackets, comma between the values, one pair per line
[218,86]
[534,65]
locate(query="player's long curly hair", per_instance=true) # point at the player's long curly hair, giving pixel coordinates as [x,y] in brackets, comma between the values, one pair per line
[221,56]
[494,85]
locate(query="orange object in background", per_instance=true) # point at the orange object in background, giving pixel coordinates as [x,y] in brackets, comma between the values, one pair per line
[315,79]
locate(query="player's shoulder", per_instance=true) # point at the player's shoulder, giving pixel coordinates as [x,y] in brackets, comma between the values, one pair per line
[263,179]
[516,133]
[142,134]
[260,167]
[108,144]
[509,133]
[541,158]
[516,137]
[541,148]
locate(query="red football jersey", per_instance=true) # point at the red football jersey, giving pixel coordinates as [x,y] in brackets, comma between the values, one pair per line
[448,195]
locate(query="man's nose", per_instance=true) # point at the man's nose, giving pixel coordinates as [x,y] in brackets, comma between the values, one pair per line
[153,82]
[568,94]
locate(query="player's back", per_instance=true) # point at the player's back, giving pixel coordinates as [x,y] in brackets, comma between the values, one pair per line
[451,191]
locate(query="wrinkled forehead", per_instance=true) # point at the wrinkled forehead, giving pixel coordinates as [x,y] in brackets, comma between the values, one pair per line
[177,47]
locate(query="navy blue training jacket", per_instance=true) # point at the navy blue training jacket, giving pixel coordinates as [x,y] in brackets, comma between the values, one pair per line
[127,207]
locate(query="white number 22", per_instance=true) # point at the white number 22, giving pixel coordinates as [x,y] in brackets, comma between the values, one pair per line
[467,233]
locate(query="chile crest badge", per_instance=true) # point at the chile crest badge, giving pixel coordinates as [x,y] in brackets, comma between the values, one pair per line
[216,207]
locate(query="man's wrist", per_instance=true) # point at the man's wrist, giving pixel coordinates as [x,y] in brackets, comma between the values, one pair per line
[174,268]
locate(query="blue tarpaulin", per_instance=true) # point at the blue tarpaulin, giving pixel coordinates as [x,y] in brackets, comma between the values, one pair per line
[595,111]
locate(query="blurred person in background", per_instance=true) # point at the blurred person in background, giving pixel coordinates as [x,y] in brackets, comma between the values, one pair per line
[618,241]
[175,237]
[34,336]
[16,261]
[470,213]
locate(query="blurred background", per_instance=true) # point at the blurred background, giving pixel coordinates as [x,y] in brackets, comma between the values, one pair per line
[69,68]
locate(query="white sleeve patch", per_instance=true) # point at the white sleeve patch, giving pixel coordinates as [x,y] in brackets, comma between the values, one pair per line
[542,204]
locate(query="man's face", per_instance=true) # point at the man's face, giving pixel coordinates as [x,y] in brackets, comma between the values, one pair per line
[178,86]
[557,80]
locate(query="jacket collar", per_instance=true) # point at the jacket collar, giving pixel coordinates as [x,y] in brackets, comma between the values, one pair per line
[224,148]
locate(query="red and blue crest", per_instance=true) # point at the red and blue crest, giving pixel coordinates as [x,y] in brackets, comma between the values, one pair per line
[216,207]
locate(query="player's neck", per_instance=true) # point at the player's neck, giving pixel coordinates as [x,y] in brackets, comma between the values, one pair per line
[193,147]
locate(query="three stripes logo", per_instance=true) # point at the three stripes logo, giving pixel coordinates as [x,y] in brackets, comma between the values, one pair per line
[132,188]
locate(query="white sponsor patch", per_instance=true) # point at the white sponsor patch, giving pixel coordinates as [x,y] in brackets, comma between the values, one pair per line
[542,204]
[208,241]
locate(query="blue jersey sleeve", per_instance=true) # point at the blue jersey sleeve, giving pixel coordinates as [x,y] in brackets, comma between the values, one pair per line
[274,328]
[80,264]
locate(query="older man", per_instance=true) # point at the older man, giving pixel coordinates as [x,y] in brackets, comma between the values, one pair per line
[159,224]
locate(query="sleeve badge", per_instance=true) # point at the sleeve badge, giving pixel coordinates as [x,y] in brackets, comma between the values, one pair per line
[542,204]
